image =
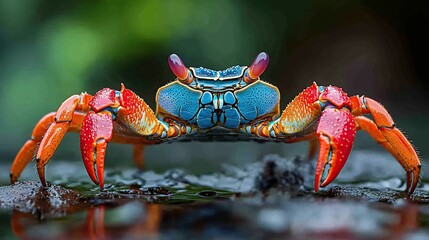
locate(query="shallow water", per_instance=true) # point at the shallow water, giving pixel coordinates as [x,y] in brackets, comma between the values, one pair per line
[272,198]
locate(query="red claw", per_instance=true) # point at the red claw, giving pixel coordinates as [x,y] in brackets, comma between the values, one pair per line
[178,67]
[106,97]
[96,132]
[258,66]
[336,132]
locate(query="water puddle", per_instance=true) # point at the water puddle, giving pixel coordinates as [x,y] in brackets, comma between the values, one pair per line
[273,198]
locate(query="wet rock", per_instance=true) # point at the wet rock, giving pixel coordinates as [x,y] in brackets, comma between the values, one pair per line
[272,172]
[385,195]
[280,173]
[147,191]
[31,197]
[277,200]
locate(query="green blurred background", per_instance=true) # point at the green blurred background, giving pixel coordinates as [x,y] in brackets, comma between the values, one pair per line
[50,50]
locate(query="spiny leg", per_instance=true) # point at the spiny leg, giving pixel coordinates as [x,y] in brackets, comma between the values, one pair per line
[138,143]
[136,122]
[63,120]
[371,128]
[384,131]
[51,129]
[27,152]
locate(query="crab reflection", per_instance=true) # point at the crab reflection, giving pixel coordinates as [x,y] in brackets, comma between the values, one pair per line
[128,220]
[135,219]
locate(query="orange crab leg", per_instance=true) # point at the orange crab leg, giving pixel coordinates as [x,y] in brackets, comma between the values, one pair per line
[57,130]
[50,130]
[138,155]
[384,131]
[26,154]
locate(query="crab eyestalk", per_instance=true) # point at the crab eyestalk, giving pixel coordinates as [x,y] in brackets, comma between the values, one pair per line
[257,68]
[179,69]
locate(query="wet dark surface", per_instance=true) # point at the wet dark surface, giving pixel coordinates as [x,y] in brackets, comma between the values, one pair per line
[273,198]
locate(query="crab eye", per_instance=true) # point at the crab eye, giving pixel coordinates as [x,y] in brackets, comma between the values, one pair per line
[179,69]
[258,67]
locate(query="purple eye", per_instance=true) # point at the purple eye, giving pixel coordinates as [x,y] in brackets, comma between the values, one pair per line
[258,66]
[179,69]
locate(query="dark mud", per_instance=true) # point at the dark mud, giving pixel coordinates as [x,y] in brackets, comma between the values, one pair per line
[273,198]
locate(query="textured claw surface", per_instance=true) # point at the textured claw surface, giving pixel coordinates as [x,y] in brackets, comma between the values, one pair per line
[95,134]
[336,132]
[106,97]
[335,96]
[301,112]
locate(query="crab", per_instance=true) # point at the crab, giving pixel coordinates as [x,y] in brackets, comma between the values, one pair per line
[229,105]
